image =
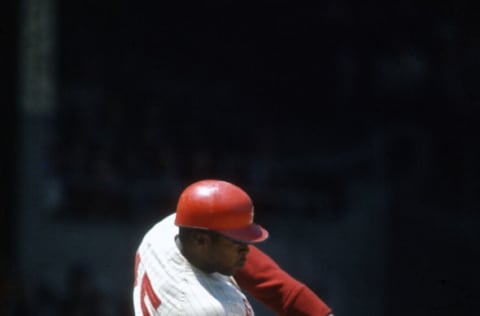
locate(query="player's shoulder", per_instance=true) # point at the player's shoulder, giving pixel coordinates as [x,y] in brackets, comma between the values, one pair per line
[160,233]
[166,227]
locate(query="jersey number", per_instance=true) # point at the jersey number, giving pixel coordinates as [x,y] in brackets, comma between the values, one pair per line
[146,289]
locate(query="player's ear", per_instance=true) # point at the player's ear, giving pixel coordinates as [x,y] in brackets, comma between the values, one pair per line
[202,238]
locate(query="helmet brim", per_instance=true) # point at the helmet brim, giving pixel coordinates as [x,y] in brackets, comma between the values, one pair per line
[253,233]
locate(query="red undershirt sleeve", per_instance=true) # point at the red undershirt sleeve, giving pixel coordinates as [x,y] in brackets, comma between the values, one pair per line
[263,278]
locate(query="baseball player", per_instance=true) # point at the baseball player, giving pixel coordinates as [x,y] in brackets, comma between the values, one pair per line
[186,263]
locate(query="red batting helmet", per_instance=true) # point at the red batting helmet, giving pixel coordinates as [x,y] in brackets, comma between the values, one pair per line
[219,206]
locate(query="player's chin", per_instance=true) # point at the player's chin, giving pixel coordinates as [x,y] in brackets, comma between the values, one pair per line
[241,262]
[230,271]
[234,268]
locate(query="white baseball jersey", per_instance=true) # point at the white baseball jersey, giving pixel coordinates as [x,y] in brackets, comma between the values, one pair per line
[167,284]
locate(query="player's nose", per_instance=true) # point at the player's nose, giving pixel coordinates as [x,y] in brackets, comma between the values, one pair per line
[243,248]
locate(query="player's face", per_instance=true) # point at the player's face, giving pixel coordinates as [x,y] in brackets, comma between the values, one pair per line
[227,256]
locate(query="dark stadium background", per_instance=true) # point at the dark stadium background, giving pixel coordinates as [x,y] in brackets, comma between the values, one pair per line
[354,125]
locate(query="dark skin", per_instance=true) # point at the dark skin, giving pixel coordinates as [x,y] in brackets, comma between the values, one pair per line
[212,252]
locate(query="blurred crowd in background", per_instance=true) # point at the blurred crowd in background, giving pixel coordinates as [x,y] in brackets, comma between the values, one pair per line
[81,297]
[317,81]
